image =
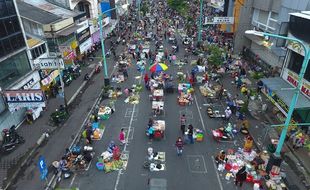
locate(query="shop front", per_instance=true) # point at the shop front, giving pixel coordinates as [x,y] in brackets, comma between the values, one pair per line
[15,114]
[83,38]
[280,93]
[49,83]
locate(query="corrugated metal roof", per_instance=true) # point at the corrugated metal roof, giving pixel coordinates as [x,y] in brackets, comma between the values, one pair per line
[51,8]
[35,14]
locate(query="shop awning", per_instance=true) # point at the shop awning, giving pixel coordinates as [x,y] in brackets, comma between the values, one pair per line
[285,91]
[68,31]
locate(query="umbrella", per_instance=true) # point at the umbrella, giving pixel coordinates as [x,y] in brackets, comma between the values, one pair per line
[157,67]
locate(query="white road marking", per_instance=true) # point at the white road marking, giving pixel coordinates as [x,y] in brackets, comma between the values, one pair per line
[217,174]
[125,146]
[201,119]
[196,160]
[73,178]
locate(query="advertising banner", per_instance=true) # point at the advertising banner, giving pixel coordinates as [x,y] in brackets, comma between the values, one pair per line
[104,7]
[50,63]
[17,99]
[50,78]
[219,20]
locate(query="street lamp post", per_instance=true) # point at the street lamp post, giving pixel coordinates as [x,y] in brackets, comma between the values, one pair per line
[200,21]
[105,67]
[297,89]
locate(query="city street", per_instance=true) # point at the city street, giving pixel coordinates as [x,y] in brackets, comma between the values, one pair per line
[196,168]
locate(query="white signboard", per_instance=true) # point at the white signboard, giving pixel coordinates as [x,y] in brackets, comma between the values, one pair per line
[219,20]
[83,25]
[85,45]
[50,63]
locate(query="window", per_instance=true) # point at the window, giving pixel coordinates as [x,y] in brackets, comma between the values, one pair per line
[2,30]
[10,7]
[9,26]
[13,43]
[38,51]
[13,69]
[265,20]
[296,63]
[15,24]
[3,10]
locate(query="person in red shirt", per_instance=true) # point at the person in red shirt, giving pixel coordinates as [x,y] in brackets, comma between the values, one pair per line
[122,137]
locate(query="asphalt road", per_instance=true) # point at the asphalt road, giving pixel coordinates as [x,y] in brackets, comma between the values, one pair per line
[195,169]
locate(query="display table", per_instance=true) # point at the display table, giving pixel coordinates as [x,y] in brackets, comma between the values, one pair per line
[104,113]
[158,94]
[207,91]
[159,127]
[158,104]
[183,99]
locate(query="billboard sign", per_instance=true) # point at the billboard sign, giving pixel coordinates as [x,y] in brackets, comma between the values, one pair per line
[17,99]
[219,20]
[50,63]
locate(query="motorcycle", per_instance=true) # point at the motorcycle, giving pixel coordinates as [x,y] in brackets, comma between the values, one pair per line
[75,71]
[59,116]
[67,78]
[11,139]
[224,133]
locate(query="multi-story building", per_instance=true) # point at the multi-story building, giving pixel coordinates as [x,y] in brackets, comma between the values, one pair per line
[15,72]
[268,16]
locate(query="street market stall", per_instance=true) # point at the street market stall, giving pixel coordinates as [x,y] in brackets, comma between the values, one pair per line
[159,127]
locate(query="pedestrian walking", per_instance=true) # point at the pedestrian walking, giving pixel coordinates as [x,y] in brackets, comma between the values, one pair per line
[190,132]
[241,176]
[183,123]
[122,137]
[179,145]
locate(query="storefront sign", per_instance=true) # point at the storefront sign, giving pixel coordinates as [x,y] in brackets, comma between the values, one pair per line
[50,78]
[83,25]
[85,45]
[83,36]
[29,82]
[51,63]
[278,102]
[66,52]
[219,20]
[293,79]
[23,96]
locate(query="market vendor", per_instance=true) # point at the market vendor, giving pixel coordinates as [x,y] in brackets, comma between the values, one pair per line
[220,158]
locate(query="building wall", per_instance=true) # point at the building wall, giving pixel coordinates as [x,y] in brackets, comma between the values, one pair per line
[244,24]
[269,16]
[266,55]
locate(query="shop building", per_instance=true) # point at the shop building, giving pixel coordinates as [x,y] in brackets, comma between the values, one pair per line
[281,90]
[15,72]
[267,16]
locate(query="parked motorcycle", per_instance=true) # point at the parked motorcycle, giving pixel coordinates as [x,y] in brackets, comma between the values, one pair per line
[224,133]
[75,71]
[11,139]
[59,116]
[67,78]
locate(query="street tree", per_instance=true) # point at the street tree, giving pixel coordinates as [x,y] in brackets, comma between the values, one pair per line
[215,57]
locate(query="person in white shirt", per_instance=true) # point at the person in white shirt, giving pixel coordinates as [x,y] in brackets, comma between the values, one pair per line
[228,113]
